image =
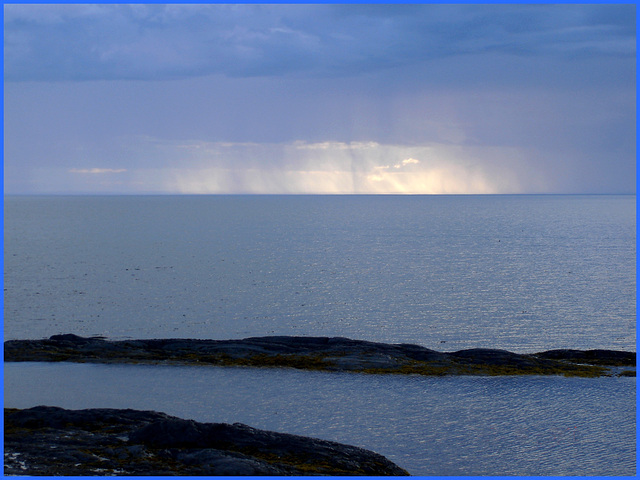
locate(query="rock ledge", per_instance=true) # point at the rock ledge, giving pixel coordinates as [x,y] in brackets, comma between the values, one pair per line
[321,353]
[53,441]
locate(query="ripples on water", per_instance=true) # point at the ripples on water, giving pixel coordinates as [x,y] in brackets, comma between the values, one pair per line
[523,273]
[430,426]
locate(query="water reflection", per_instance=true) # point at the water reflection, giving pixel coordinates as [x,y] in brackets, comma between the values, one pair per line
[430,426]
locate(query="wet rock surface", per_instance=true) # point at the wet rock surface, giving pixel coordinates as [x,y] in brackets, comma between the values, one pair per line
[321,353]
[53,441]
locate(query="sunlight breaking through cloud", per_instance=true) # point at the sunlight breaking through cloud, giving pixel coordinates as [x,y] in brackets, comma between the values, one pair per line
[345,168]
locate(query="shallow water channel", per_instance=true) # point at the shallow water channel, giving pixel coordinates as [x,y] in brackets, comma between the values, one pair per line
[429,426]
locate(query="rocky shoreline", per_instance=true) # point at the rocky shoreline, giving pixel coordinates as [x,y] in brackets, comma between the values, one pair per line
[321,353]
[51,441]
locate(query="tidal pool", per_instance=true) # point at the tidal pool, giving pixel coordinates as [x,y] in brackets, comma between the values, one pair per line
[480,426]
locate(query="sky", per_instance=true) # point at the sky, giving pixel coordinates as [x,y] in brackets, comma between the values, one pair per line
[315,99]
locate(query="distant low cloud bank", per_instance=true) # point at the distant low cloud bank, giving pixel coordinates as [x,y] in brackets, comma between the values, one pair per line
[311,168]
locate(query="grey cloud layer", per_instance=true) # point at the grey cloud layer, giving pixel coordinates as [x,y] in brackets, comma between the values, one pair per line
[497,98]
[93,42]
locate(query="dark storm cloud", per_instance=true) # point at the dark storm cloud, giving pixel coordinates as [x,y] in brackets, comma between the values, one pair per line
[152,42]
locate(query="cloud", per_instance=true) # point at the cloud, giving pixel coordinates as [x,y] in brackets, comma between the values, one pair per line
[99,171]
[406,161]
[152,42]
[306,98]
[302,145]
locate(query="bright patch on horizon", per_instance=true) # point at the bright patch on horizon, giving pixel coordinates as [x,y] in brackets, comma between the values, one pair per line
[198,167]
[346,168]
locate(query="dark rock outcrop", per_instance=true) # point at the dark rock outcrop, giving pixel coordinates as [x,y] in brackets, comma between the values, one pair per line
[592,357]
[54,441]
[319,353]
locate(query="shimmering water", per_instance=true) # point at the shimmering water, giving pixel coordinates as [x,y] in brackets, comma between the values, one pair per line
[524,273]
[429,426]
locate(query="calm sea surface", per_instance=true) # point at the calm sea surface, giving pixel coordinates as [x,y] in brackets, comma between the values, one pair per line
[522,273]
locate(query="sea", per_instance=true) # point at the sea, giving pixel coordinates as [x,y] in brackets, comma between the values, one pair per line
[524,273]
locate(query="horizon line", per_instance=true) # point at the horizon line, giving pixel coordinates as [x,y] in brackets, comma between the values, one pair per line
[265,194]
